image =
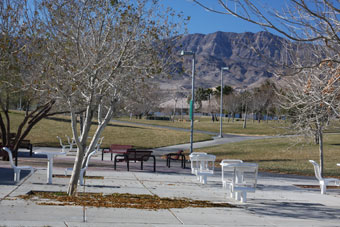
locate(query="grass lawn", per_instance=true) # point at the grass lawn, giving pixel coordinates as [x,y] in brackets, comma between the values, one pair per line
[282,155]
[236,127]
[45,132]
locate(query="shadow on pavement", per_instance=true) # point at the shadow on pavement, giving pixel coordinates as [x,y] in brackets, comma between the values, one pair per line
[7,176]
[296,210]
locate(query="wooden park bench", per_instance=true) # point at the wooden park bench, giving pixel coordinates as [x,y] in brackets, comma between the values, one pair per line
[115,149]
[176,156]
[26,144]
[135,155]
[23,144]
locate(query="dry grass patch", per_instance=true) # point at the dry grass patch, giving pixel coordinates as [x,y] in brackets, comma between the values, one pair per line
[116,200]
[45,132]
[236,127]
[283,155]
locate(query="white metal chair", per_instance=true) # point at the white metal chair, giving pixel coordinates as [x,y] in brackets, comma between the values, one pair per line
[82,171]
[64,147]
[17,169]
[227,172]
[206,168]
[244,180]
[323,181]
[194,163]
[71,142]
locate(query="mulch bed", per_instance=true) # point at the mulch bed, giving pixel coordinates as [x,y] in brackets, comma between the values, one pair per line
[116,200]
[316,186]
[86,177]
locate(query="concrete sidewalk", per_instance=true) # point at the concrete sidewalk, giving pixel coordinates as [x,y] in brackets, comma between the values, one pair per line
[277,202]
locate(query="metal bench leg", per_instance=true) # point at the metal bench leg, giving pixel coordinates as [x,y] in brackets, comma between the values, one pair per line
[31,149]
[243,197]
[127,163]
[154,163]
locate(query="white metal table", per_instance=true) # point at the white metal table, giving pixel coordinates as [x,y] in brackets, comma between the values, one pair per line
[50,156]
[238,176]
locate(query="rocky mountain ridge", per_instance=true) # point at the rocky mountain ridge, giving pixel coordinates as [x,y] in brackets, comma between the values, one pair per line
[247,55]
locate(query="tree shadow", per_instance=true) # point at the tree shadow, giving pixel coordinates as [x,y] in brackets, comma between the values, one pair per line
[298,210]
[93,123]
[7,176]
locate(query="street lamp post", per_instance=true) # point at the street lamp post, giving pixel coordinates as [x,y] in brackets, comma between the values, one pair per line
[192,104]
[221,106]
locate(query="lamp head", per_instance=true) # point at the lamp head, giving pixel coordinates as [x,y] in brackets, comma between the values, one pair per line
[225,68]
[183,53]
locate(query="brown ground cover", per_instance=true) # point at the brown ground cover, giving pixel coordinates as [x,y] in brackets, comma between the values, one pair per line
[116,200]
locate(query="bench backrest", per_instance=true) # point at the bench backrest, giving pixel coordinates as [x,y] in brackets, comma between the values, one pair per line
[119,148]
[139,155]
[249,173]
[178,153]
[316,170]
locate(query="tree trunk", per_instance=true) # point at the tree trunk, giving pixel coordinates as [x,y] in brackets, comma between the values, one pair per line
[97,135]
[81,144]
[321,151]
[245,118]
[316,138]
[259,117]
[173,119]
[81,122]
[72,188]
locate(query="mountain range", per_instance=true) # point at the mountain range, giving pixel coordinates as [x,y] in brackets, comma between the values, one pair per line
[247,55]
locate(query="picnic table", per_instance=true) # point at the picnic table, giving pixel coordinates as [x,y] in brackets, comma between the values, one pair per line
[134,155]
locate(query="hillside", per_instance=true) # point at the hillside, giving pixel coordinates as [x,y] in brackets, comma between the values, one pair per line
[244,53]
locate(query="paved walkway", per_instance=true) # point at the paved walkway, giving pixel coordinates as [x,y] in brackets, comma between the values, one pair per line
[227,138]
[276,202]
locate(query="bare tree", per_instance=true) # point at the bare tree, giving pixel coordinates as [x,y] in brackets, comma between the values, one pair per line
[100,51]
[315,22]
[311,105]
[263,96]
[231,105]
[22,60]
[245,98]
[145,99]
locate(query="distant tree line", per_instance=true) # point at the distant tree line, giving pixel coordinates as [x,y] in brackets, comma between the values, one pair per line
[260,101]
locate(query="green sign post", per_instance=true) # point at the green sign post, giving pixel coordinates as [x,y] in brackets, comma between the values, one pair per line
[191,110]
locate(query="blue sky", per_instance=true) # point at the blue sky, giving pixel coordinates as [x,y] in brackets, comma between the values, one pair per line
[207,22]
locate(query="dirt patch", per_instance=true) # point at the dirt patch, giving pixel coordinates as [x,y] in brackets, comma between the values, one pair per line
[116,200]
[86,177]
[316,186]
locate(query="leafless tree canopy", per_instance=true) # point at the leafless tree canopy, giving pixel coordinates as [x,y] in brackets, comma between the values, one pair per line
[311,95]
